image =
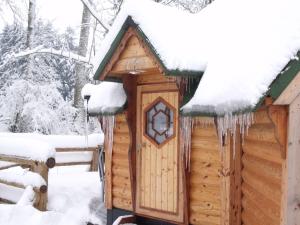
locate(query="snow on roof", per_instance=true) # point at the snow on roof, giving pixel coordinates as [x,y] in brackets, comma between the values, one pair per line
[106,97]
[242,45]
[61,141]
[26,148]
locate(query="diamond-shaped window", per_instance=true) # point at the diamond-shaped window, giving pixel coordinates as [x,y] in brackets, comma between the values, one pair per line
[160,122]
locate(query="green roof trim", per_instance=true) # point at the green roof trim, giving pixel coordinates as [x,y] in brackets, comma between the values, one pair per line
[130,23]
[284,78]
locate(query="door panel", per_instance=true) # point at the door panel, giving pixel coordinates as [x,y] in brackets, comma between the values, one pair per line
[159,176]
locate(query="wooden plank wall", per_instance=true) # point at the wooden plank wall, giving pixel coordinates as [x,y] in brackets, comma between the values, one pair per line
[261,173]
[121,186]
[205,181]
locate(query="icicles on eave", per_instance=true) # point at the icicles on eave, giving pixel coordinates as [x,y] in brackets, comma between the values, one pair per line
[108,124]
[225,125]
[186,127]
[228,124]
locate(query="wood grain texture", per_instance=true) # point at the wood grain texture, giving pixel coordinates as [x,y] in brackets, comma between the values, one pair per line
[204,180]
[262,172]
[121,187]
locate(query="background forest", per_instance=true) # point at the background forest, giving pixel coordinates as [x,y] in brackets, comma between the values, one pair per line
[43,68]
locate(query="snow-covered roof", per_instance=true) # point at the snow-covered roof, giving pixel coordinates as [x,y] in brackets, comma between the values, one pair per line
[105,98]
[241,45]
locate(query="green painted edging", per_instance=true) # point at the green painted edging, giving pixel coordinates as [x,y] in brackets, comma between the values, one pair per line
[130,23]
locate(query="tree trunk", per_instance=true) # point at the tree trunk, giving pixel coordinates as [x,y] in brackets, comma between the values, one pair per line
[30,34]
[80,69]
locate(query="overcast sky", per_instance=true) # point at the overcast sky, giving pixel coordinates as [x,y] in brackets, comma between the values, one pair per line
[62,13]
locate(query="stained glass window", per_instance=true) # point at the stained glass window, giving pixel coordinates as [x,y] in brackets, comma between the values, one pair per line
[160,122]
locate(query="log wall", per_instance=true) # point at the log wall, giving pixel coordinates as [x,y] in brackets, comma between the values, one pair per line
[261,173]
[204,180]
[121,186]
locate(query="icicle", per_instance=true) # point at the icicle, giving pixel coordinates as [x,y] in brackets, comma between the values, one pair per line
[186,127]
[229,122]
[203,122]
[108,124]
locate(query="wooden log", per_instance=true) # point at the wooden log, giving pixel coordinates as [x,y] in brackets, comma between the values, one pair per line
[42,189]
[95,160]
[42,198]
[264,169]
[259,215]
[9,166]
[262,117]
[207,143]
[118,170]
[270,207]
[124,193]
[50,162]
[6,201]
[264,150]
[121,181]
[73,163]
[262,132]
[269,190]
[90,149]
[16,159]
[204,219]
[122,203]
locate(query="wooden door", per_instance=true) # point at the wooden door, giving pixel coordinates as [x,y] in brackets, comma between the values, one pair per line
[159,172]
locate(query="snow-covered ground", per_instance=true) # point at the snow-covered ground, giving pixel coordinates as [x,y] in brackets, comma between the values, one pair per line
[74,199]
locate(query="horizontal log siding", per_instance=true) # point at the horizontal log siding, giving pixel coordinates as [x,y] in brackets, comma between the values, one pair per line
[121,186]
[261,173]
[205,181]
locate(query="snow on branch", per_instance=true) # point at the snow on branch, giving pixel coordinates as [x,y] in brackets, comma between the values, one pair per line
[41,50]
[94,14]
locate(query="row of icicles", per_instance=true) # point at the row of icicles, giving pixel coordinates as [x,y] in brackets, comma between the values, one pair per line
[226,125]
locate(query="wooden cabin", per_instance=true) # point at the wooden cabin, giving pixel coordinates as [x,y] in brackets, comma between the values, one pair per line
[249,179]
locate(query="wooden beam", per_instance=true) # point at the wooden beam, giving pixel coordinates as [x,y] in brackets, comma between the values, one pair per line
[279,116]
[130,86]
[226,180]
[108,174]
[290,211]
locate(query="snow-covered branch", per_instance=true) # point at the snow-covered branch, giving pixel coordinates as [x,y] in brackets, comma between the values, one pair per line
[94,14]
[41,50]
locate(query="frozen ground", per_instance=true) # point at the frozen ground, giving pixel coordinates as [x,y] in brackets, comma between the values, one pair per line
[74,199]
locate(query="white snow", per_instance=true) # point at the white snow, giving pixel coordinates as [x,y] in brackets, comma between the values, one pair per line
[242,45]
[27,197]
[22,176]
[26,148]
[106,97]
[74,199]
[60,141]
[66,157]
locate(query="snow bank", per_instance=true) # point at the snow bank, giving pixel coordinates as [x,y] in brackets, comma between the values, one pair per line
[22,176]
[73,199]
[61,141]
[241,45]
[26,148]
[106,97]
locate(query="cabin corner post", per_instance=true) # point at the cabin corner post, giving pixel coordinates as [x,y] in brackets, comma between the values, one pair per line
[108,174]
[227,181]
[130,87]
[290,213]
[279,117]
